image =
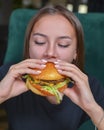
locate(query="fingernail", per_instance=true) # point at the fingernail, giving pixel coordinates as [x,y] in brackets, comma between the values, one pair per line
[43,66]
[56,62]
[59,70]
[57,66]
[37,72]
[43,60]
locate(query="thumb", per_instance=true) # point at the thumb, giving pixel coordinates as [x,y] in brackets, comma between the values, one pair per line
[67,92]
[71,93]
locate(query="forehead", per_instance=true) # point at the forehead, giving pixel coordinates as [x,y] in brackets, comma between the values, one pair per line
[55,23]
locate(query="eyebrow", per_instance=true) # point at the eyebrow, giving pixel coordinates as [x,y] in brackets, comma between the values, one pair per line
[39,34]
[60,37]
[65,37]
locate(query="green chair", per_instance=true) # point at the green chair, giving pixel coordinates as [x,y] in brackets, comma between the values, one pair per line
[93,24]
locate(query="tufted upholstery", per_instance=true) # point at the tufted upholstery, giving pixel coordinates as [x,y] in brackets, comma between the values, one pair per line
[93,24]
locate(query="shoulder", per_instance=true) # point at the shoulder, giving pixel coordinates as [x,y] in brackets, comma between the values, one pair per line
[94,82]
[97,89]
[4,69]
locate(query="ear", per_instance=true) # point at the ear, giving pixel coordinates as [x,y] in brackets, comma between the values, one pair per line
[75,55]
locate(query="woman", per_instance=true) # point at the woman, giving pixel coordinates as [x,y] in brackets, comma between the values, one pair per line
[55,35]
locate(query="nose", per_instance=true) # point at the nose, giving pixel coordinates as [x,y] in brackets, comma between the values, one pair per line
[50,51]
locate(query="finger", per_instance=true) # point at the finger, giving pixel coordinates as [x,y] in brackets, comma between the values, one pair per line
[65,69]
[38,61]
[52,60]
[69,92]
[64,63]
[71,75]
[72,95]
[16,73]
[80,81]
[29,64]
[65,66]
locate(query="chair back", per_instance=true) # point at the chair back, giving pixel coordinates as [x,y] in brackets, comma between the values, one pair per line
[93,25]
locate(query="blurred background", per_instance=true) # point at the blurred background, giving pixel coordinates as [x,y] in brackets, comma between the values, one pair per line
[6,8]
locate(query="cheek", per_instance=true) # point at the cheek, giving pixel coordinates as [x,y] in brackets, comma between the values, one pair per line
[35,52]
[67,55]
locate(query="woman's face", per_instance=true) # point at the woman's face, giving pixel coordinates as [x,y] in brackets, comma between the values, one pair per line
[53,37]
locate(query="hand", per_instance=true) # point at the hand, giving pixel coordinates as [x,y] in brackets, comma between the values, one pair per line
[12,84]
[80,93]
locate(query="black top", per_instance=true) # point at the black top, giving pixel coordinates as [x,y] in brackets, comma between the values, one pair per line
[32,112]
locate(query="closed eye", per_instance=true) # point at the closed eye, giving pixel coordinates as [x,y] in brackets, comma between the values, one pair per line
[64,46]
[39,43]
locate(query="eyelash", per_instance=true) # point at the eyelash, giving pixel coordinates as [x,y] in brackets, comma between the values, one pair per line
[64,46]
[39,43]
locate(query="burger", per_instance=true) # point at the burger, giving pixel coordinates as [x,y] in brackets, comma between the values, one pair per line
[48,83]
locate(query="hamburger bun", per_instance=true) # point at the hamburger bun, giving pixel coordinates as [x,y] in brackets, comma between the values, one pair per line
[48,83]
